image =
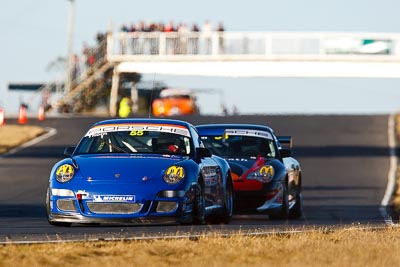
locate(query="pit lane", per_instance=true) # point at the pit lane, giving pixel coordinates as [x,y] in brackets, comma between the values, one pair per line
[345,162]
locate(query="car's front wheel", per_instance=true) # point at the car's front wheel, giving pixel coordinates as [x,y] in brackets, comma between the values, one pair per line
[297,210]
[199,205]
[227,211]
[283,212]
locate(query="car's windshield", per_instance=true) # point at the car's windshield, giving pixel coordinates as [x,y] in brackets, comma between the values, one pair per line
[239,145]
[136,139]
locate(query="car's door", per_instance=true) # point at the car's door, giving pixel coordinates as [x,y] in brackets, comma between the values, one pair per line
[211,173]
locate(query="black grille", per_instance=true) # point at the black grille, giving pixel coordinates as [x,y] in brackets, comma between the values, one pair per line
[66,204]
[114,208]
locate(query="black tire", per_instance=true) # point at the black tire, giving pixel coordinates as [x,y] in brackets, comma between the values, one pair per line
[199,206]
[283,213]
[63,224]
[226,214]
[297,211]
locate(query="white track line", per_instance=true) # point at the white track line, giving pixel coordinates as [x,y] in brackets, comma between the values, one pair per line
[392,171]
[49,132]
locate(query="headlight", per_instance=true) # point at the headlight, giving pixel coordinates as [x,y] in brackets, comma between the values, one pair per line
[263,174]
[64,173]
[174,174]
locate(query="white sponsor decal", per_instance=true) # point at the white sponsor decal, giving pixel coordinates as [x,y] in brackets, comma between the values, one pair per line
[99,130]
[247,132]
[114,198]
[211,176]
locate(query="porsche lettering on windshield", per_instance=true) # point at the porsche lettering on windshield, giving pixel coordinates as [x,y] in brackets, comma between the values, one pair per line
[246,132]
[176,129]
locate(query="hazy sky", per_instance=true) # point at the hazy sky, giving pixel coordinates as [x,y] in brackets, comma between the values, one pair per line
[34,32]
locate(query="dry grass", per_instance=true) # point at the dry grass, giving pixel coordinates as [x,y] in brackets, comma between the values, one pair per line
[318,248]
[15,135]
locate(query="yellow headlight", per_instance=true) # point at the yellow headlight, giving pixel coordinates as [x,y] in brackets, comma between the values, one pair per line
[174,174]
[64,173]
[266,171]
[263,174]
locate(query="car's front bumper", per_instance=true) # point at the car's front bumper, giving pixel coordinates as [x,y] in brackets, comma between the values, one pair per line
[80,219]
[265,198]
[84,207]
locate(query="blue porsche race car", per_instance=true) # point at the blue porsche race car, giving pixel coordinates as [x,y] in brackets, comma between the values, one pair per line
[140,170]
[266,178]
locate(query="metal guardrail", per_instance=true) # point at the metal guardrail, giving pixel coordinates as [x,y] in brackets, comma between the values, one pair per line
[160,46]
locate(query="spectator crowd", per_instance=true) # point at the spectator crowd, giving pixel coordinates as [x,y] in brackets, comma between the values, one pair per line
[198,42]
[141,26]
[183,38]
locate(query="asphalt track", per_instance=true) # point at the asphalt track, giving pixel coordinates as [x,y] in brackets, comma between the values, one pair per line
[345,163]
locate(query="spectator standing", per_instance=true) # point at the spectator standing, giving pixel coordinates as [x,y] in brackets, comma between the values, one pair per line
[75,69]
[140,43]
[154,42]
[169,27]
[123,31]
[183,34]
[132,28]
[171,39]
[193,41]
[125,107]
[141,27]
[207,29]
[101,45]
[134,41]
[235,110]
[224,109]
[220,30]
[100,37]
[161,27]
[89,58]
[85,52]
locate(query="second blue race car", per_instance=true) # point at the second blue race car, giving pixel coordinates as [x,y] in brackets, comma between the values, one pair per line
[266,178]
[140,170]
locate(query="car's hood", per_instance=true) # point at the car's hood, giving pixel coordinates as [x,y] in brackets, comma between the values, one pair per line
[240,166]
[124,168]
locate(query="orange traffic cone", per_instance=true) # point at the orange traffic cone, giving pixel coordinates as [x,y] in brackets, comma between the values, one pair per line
[2,121]
[41,113]
[22,119]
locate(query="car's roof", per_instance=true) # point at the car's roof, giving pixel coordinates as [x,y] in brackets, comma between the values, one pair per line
[206,127]
[143,120]
[171,92]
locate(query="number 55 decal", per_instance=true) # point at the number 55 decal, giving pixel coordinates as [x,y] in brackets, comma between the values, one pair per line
[136,133]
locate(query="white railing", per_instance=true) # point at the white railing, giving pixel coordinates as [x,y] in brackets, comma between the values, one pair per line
[162,46]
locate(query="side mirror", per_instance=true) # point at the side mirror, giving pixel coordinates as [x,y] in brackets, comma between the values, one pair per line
[203,152]
[285,152]
[69,150]
[287,140]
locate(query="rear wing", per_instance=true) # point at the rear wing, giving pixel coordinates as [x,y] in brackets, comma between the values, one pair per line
[285,140]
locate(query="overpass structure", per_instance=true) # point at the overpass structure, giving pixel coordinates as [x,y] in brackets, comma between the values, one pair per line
[250,54]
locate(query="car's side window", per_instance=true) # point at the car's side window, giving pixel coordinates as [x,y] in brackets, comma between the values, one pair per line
[272,152]
[196,138]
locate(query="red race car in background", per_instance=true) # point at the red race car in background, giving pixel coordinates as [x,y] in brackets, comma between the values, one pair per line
[266,178]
